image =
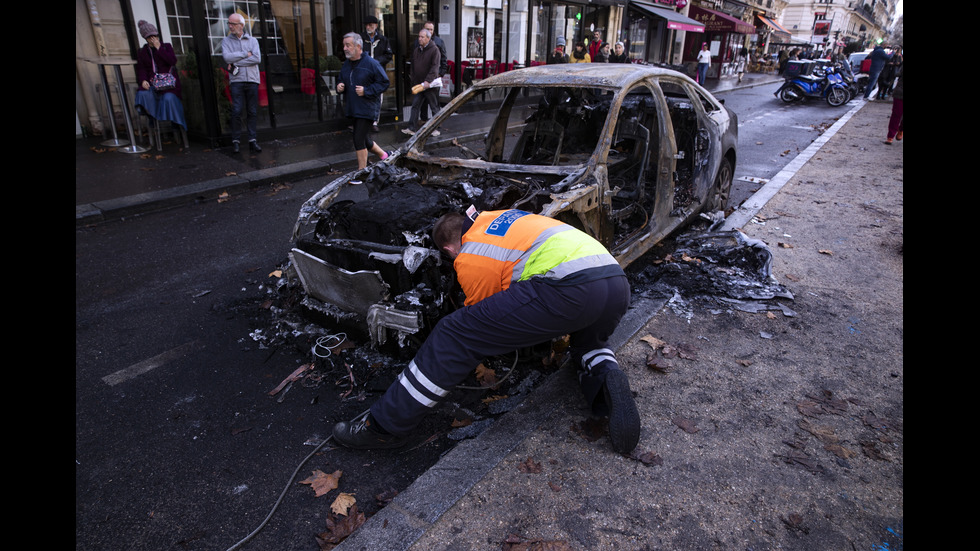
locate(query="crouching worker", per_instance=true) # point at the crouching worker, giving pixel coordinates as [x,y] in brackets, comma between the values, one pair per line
[527,279]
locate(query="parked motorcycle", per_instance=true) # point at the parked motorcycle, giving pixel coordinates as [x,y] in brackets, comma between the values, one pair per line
[829,86]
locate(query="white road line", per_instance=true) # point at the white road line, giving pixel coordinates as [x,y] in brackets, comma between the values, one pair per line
[149,364]
[754,204]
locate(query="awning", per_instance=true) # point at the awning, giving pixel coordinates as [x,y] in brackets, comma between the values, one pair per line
[715,21]
[675,20]
[778,31]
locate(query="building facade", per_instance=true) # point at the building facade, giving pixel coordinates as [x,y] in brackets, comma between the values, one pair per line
[301,42]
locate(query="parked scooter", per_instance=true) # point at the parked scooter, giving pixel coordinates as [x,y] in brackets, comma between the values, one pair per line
[830,87]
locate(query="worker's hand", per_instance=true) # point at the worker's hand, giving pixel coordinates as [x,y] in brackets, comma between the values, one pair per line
[340,87]
[359,90]
[425,85]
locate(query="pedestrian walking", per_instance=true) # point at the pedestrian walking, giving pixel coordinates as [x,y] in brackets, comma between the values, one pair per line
[878,57]
[527,279]
[424,72]
[430,110]
[362,82]
[896,123]
[704,62]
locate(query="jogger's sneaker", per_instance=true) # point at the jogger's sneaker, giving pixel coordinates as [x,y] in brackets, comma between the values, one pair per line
[362,433]
[624,419]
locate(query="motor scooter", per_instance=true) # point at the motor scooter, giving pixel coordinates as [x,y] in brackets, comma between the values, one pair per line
[830,87]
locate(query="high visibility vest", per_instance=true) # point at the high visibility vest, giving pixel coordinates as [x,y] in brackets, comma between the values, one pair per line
[503,247]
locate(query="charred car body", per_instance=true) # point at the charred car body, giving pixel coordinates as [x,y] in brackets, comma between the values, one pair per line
[627,153]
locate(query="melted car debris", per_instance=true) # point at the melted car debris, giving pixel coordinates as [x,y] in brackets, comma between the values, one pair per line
[725,268]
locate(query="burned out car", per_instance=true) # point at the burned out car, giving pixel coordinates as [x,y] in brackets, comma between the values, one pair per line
[627,153]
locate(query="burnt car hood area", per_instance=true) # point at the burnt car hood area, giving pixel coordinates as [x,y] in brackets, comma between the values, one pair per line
[629,154]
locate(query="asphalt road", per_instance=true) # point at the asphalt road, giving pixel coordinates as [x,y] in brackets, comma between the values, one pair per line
[178,443]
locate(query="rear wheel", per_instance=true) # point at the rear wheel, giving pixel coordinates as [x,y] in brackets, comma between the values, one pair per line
[788,95]
[837,96]
[721,190]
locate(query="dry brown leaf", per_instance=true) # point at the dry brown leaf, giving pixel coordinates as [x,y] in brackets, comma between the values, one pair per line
[343,503]
[827,252]
[653,341]
[223,197]
[322,483]
[493,398]
[275,273]
[785,245]
[485,375]
[339,527]
[529,466]
[685,424]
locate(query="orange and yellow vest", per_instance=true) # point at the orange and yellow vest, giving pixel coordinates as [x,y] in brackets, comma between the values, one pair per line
[503,247]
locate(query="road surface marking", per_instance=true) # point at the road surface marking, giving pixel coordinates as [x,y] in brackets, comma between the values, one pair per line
[148,364]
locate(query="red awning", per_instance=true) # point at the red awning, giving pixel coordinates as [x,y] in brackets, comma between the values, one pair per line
[777,29]
[715,21]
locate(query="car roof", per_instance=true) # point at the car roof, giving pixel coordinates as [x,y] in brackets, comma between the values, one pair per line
[578,74]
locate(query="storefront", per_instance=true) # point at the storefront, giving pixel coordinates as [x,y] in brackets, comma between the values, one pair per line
[302,52]
[726,38]
[653,27]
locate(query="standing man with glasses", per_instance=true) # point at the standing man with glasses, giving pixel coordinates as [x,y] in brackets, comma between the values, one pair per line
[240,51]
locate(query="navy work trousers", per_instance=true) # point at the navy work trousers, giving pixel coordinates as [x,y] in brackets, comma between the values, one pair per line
[527,313]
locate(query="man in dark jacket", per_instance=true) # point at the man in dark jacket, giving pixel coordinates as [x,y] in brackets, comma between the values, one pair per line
[376,45]
[443,70]
[878,58]
[424,72]
[362,81]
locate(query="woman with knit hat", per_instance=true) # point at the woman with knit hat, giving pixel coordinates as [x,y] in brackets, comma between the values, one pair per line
[158,58]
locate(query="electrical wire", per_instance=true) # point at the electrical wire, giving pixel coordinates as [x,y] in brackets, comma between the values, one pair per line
[286,489]
[340,337]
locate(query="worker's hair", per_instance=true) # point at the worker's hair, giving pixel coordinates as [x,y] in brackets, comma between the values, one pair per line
[356,39]
[448,229]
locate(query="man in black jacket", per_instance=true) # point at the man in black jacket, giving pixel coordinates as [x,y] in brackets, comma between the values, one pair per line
[443,70]
[376,46]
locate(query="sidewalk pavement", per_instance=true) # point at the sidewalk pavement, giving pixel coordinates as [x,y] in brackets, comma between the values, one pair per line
[532,481]
[110,184]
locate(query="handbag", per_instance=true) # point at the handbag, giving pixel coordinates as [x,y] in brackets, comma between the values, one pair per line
[161,82]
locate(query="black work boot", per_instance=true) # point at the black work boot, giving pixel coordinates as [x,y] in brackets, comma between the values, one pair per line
[363,433]
[624,419]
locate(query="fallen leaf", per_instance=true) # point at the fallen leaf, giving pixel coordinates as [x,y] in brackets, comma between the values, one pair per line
[685,424]
[493,398]
[275,273]
[744,363]
[223,197]
[339,528]
[457,423]
[785,245]
[792,277]
[554,487]
[648,458]
[384,498]
[827,252]
[231,174]
[840,451]
[652,364]
[485,375]
[654,342]
[343,503]
[529,466]
[322,483]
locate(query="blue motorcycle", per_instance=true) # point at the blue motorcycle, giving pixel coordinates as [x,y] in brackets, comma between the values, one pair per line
[830,86]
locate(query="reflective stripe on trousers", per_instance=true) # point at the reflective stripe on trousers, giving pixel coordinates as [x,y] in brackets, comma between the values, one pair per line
[528,313]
